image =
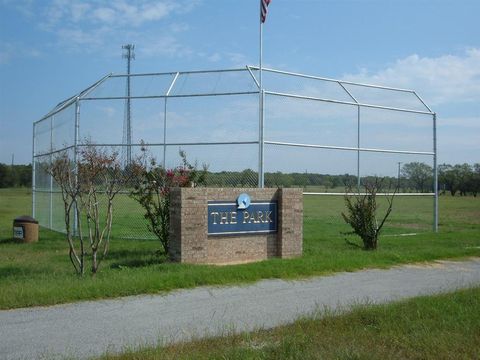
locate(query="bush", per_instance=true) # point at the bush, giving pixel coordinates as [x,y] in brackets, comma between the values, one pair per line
[152,192]
[362,213]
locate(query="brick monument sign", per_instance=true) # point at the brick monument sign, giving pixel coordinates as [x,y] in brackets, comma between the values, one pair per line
[230,226]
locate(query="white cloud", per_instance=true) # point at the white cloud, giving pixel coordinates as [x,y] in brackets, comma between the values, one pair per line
[11,51]
[450,84]
[214,57]
[119,13]
[104,14]
[78,11]
[440,80]
[165,45]
[179,27]
[92,25]
[78,37]
[237,59]
[154,11]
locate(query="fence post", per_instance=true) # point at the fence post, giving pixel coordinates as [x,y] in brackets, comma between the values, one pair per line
[165,134]
[165,120]
[75,160]
[50,223]
[358,149]
[261,144]
[33,172]
[435,175]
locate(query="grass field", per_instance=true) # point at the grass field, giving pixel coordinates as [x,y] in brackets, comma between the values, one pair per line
[436,327]
[41,274]
[410,214]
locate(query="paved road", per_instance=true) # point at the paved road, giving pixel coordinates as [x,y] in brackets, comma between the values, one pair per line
[90,328]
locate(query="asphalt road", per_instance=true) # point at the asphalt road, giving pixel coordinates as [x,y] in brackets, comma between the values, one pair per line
[91,328]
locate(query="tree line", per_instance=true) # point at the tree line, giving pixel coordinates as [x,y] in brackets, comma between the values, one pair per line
[460,179]
[463,179]
[15,176]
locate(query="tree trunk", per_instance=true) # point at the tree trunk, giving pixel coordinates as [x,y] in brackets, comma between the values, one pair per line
[94,261]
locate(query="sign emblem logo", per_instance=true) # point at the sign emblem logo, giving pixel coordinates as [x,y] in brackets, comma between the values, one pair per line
[242,216]
[243,201]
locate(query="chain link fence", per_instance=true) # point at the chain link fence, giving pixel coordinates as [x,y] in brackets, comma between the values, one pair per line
[320,134]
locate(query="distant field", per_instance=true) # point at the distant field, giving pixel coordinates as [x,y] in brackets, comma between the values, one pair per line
[411,214]
[41,274]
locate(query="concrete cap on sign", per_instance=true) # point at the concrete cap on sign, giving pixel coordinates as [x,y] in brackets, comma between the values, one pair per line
[25,219]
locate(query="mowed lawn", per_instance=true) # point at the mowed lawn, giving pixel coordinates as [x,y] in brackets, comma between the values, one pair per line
[41,273]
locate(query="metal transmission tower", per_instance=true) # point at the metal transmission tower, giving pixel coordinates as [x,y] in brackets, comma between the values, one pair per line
[127,124]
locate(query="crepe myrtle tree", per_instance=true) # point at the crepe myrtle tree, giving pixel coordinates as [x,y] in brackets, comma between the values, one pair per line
[362,212]
[88,189]
[62,170]
[152,192]
[101,177]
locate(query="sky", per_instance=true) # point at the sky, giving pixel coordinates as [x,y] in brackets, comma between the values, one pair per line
[52,49]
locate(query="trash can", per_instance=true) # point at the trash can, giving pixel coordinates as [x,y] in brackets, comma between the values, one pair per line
[25,228]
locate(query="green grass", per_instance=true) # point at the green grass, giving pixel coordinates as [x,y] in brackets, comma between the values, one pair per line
[437,327]
[41,274]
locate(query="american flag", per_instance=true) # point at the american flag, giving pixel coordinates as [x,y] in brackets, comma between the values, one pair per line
[263,9]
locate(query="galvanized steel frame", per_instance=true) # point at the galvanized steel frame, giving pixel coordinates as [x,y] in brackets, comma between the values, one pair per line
[84,96]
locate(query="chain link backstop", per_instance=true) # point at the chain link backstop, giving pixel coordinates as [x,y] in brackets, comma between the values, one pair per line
[317,133]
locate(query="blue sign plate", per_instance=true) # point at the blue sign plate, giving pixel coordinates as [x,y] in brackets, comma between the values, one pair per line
[226,218]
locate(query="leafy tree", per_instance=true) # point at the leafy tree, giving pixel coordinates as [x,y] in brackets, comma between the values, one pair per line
[475,188]
[448,178]
[419,174]
[5,176]
[16,175]
[248,177]
[464,173]
[23,175]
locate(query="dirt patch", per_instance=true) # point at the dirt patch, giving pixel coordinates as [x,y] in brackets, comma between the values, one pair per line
[415,226]
[438,264]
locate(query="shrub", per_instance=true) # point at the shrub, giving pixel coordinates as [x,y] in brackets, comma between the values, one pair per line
[362,213]
[152,192]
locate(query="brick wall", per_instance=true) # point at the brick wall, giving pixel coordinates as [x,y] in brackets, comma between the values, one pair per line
[190,243]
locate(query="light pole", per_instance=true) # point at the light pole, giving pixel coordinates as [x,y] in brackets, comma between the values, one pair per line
[127,130]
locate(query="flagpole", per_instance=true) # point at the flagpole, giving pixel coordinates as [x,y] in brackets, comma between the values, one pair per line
[260,109]
[261,45]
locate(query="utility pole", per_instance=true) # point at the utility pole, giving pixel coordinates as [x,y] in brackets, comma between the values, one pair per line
[127,125]
[13,170]
[398,178]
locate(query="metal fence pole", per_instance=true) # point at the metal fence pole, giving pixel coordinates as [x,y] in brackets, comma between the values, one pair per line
[435,175]
[33,173]
[165,120]
[358,151]
[75,160]
[165,135]
[50,222]
[261,143]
